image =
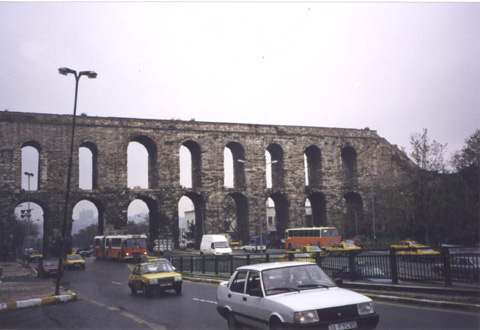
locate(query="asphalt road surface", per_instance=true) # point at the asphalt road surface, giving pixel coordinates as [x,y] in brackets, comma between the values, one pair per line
[104,302]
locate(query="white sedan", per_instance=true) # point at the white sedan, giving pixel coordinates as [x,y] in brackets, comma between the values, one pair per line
[291,295]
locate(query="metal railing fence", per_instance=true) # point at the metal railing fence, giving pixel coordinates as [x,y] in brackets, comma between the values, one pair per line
[386,266]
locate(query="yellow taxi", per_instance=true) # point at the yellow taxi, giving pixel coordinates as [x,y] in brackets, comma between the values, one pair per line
[296,256]
[73,261]
[313,250]
[34,256]
[153,276]
[420,252]
[408,244]
[343,248]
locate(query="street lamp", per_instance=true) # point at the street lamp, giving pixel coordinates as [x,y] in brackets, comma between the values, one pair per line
[28,213]
[91,75]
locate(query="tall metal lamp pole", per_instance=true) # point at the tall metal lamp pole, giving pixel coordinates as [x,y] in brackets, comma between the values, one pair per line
[91,75]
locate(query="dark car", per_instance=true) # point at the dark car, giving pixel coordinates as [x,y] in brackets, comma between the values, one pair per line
[84,252]
[47,268]
[461,267]
[363,272]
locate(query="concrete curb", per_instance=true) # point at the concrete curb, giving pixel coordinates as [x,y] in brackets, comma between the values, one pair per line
[37,301]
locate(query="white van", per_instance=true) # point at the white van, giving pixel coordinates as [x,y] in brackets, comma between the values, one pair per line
[215,245]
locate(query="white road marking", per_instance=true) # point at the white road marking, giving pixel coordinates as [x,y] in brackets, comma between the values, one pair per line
[203,300]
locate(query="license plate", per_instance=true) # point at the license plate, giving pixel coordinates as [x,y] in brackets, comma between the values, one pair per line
[165,284]
[343,326]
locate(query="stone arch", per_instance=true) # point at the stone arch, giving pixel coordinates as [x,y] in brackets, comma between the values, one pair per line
[349,167]
[200,215]
[196,167]
[37,146]
[276,156]
[313,156]
[238,153]
[319,210]
[47,249]
[282,206]
[152,150]
[100,209]
[94,150]
[241,211]
[354,219]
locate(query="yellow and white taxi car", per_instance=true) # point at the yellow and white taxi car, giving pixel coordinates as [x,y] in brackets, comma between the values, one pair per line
[154,276]
[344,248]
[73,261]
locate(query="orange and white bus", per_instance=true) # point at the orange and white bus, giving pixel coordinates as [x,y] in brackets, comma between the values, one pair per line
[120,247]
[322,237]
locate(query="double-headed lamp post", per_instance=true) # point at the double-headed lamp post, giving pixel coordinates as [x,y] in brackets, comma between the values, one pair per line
[91,75]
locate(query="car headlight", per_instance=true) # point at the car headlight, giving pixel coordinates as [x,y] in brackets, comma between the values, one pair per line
[305,317]
[366,308]
[153,281]
[178,278]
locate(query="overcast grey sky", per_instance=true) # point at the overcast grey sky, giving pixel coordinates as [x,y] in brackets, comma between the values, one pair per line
[393,67]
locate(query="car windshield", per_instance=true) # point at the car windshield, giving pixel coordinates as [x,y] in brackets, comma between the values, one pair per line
[221,244]
[135,243]
[74,257]
[297,278]
[350,245]
[314,248]
[50,262]
[157,268]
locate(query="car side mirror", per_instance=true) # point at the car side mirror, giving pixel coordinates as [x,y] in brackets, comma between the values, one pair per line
[257,292]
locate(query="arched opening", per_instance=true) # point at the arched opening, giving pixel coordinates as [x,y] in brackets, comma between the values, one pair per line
[186,221]
[28,229]
[349,167]
[235,217]
[192,208]
[31,164]
[313,166]
[191,164]
[142,163]
[85,224]
[88,166]
[353,224]
[276,163]
[237,157]
[138,218]
[316,211]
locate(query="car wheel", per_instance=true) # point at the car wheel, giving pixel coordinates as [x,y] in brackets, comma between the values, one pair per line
[231,321]
[276,324]
[178,289]
[133,290]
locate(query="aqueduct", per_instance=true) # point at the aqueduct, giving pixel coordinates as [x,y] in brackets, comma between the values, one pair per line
[334,168]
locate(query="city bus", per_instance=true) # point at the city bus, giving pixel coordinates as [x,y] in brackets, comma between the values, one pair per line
[322,237]
[120,247]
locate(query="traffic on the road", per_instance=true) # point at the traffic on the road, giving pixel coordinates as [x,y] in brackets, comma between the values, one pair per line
[105,301]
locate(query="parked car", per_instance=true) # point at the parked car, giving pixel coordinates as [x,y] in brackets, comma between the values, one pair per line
[296,256]
[34,256]
[291,295]
[73,261]
[357,241]
[153,276]
[84,252]
[405,245]
[461,267]
[47,268]
[257,244]
[343,248]
[363,272]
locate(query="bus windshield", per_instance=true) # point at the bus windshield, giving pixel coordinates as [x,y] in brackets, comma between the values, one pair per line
[135,243]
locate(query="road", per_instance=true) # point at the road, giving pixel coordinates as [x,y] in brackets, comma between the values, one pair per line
[105,302]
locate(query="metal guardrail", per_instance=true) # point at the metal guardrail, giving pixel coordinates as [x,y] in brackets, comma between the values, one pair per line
[388,267]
